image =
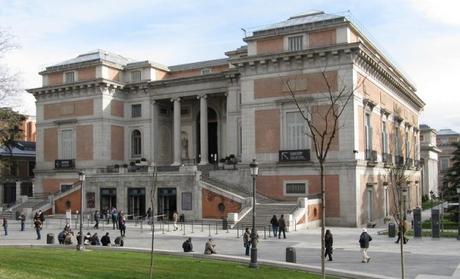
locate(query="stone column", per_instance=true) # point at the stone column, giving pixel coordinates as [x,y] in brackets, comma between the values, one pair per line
[154,132]
[204,130]
[177,134]
[18,191]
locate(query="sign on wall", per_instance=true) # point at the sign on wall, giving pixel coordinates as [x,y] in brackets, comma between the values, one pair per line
[294,155]
[187,201]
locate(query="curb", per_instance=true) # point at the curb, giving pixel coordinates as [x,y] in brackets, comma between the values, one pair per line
[293,266]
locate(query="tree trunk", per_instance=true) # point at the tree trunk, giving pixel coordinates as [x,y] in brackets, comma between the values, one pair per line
[323,215]
[401,234]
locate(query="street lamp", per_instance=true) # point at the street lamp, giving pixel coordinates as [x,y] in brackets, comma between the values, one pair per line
[431,200]
[254,167]
[458,193]
[81,177]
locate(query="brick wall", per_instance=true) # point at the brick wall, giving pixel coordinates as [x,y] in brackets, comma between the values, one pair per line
[210,205]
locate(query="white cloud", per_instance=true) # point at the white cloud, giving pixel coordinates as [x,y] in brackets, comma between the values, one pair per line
[443,11]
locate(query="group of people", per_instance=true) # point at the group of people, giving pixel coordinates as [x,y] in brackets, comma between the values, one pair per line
[118,218]
[209,247]
[278,226]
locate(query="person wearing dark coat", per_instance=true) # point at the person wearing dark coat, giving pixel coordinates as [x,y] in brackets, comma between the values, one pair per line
[328,241]
[96,219]
[61,237]
[105,240]
[187,245]
[282,227]
[274,223]
[247,241]
[119,241]
[364,240]
[95,239]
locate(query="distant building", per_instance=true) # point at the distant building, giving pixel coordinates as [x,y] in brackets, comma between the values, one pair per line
[445,139]
[429,153]
[115,118]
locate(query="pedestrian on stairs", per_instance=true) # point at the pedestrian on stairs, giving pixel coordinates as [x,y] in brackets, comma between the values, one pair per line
[274,222]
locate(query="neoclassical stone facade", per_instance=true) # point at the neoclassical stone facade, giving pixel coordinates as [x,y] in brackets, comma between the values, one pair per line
[99,111]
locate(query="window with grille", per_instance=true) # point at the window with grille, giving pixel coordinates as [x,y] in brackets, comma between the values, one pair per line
[136,110]
[295,43]
[384,137]
[368,132]
[66,187]
[295,131]
[296,188]
[67,144]
[205,71]
[444,164]
[136,143]
[135,76]
[69,77]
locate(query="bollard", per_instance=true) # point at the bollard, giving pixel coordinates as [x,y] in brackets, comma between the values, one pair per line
[192,226]
[168,227]
[216,227]
[265,233]
[209,229]
[142,226]
[184,227]
[237,231]
[163,228]
[269,231]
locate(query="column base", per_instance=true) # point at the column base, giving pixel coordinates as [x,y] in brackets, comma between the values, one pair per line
[203,163]
[176,164]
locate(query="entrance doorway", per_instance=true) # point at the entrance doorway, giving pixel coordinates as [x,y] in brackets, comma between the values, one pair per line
[136,202]
[167,202]
[108,198]
[212,136]
[9,193]
[26,189]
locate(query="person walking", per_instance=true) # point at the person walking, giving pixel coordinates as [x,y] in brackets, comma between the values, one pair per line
[122,223]
[41,216]
[38,227]
[22,217]
[281,227]
[175,217]
[274,222]
[96,219]
[328,240]
[364,240]
[247,240]
[149,215]
[402,228]
[5,225]
[114,218]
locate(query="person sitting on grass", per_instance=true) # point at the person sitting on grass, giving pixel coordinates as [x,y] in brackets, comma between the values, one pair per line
[95,239]
[210,247]
[119,242]
[87,239]
[187,245]
[68,238]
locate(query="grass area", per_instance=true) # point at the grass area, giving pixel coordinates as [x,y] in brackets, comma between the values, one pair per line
[427,233]
[446,223]
[50,263]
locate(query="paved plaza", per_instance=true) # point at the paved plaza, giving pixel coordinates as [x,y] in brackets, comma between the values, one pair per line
[424,258]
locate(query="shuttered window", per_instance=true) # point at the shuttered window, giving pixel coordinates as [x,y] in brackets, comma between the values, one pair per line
[295,131]
[296,188]
[67,144]
[295,43]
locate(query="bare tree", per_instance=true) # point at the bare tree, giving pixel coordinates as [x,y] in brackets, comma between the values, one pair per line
[9,85]
[152,202]
[322,114]
[398,175]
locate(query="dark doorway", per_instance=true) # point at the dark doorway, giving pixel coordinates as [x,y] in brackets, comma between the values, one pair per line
[108,198]
[26,189]
[212,136]
[167,202]
[136,202]
[9,193]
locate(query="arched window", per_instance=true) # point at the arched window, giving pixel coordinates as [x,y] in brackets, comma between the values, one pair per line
[136,143]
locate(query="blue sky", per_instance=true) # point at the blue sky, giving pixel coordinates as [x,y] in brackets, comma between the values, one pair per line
[421,36]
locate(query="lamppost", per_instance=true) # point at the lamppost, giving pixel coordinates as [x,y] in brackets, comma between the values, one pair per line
[431,200]
[458,193]
[81,177]
[254,167]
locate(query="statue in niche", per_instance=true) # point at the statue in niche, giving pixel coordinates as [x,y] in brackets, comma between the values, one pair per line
[184,142]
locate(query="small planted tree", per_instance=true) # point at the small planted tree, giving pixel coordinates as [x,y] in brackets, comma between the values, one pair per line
[322,113]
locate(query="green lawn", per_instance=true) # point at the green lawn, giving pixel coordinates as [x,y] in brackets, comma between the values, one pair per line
[35,263]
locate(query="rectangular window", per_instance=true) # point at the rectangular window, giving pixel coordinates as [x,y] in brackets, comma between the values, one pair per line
[206,71]
[295,131]
[67,144]
[65,187]
[384,138]
[444,164]
[296,188]
[135,76]
[397,141]
[69,77]
[369,205]
[385,201]
[368,132]
[408,147]
[295,43]
[136,110]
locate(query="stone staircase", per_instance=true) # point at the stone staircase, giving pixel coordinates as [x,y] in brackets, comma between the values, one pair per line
[265,211]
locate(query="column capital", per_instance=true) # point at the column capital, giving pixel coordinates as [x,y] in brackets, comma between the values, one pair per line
[175,99]
[202,96]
